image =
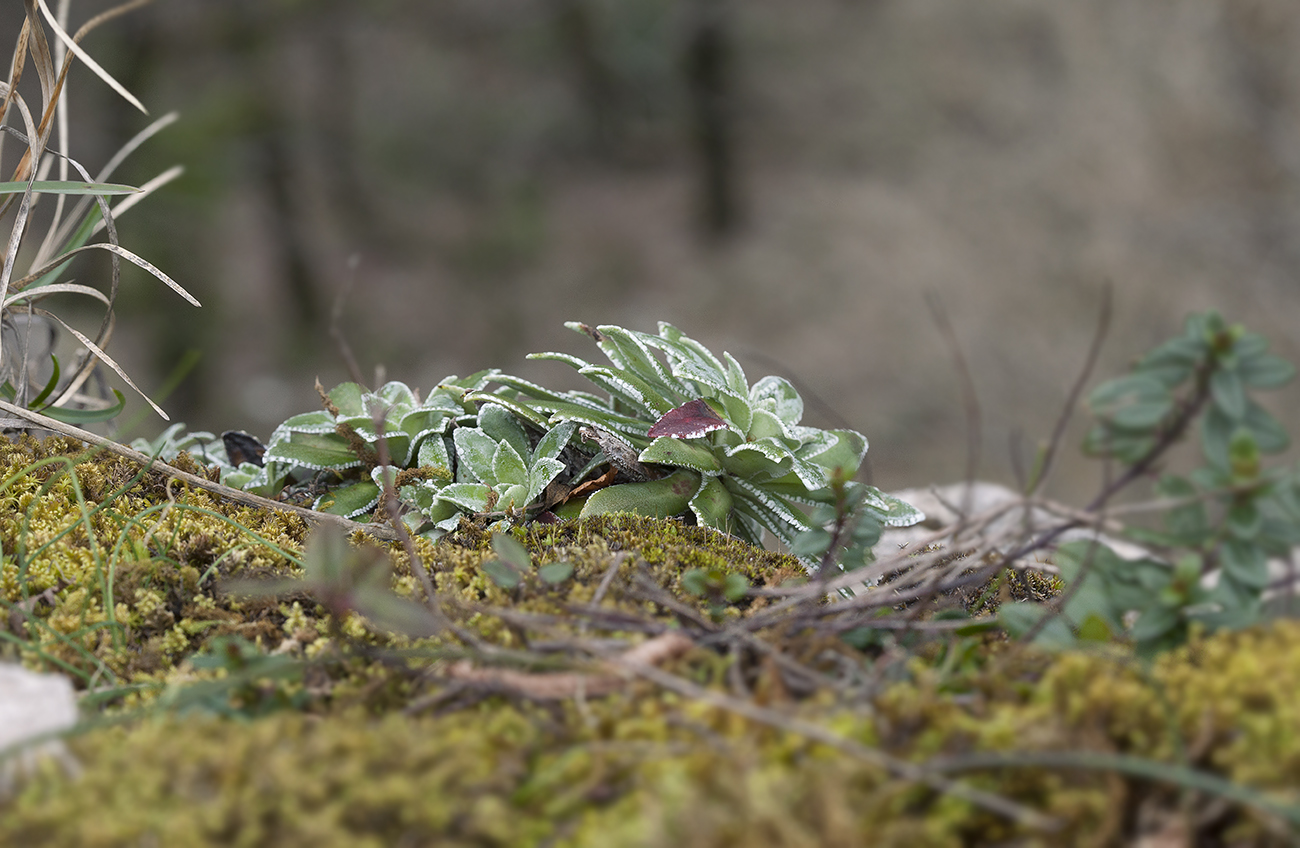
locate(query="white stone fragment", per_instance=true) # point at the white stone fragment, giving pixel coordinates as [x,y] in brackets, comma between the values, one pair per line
[32,705]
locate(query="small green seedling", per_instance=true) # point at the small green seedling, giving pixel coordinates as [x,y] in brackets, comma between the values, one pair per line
[513,565]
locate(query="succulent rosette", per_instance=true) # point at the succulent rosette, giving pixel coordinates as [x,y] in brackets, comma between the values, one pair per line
[673,431]
[732,455]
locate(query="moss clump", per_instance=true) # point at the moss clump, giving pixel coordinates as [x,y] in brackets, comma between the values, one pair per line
[396,751]
[109,572]
[648,768]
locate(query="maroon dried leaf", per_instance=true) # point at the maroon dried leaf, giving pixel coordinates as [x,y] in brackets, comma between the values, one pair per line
[688,421]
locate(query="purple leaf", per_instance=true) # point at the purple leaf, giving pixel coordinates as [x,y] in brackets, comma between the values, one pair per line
[688,421]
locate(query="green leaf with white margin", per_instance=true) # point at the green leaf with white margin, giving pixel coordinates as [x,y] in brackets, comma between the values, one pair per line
[540,474]
[891,511]
[682,453]
[688,347]
[765,425]
[689,360]
[476,450]
[521,408]
[512,497]
[348,398]
[308,422]
[555,440]
[508,467]
[758,461]
[349,501]
[766,509]
[712,505]
[629,388]
[501,426]
[779,397]
[604,419]
[433,454]
[470,497]
[734,408]
[638,359]
[846,454]
[316,451]
[735,375]
[660,498]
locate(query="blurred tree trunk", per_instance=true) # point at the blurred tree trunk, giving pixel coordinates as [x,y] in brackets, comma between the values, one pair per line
[709,68]
[249,37]
[576,29]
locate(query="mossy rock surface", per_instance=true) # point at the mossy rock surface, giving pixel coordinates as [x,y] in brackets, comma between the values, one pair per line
[388,749]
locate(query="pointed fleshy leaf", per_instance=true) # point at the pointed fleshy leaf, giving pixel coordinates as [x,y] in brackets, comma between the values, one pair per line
[687,347]
[638,393]
[779,397]
[521,408]
[736,410]
[743,459]
[604,419]
[471,497]
[770,511]
[661,498]
[396,393]
[433,454]
[511,497]
[508,467]
[349,501]
[308,422]
[316,451]
[712,505]
[555,440]
[666,450]
[540,474]
[639,359]
[847,454]
[891,511]
[735,375]
[502,426]
[348,398]
[765,425]
[476,451]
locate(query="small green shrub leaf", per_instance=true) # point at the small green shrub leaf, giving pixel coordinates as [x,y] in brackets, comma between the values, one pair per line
[555,572]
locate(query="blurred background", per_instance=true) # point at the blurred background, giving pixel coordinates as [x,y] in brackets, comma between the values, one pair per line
[788,182]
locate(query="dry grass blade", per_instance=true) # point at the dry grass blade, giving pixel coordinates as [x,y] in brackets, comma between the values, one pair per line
[125,254]
[145,190]
[34,295]
[70,225]
[83,55]
[99,354]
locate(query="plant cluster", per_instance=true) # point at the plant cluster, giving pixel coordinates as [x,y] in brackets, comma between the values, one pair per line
[1222,522]
[677,432]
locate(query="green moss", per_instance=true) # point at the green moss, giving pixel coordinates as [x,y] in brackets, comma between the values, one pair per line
[132,590]
[646,768]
